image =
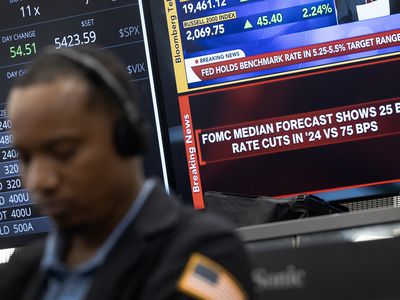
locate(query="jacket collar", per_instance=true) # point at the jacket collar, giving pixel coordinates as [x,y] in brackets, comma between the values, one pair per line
[159,213]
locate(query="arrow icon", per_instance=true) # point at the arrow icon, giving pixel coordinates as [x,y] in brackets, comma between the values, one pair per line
[248,25]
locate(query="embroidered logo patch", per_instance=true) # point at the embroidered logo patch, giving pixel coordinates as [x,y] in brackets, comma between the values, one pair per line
[205,279]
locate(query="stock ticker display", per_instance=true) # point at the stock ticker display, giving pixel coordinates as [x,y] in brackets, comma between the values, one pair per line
[277,98]
[219,41]
[26,28]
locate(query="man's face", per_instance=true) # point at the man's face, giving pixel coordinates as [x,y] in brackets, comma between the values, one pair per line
[68,159]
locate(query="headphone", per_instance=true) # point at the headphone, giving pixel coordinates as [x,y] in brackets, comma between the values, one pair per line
[131,129]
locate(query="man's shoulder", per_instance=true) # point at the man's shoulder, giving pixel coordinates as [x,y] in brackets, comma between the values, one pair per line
[184,223]
[177,237]
[205,222]
[204,240]
[164,212]
[207,233]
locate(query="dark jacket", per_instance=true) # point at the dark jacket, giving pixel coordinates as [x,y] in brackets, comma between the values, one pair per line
[147,261]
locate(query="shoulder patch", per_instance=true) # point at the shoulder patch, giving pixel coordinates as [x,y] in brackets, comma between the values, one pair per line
[205,279]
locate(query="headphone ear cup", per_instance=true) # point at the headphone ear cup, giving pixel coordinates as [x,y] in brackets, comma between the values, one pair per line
[129,141]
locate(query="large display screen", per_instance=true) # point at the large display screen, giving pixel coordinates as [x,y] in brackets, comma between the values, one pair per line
[279,98]
[26,27]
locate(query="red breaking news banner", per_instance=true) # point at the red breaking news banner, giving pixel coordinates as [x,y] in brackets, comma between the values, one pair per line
[191,153]
[318,128]
[299,55]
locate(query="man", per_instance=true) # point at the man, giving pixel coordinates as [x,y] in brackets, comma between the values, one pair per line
[118,236]
[347,9]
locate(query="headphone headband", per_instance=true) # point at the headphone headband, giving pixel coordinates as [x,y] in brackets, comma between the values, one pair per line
[130,132]
[127,105]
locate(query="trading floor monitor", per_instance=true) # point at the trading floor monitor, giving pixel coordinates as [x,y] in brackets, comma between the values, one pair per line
[276,98]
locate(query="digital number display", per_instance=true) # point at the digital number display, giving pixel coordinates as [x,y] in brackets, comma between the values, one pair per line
[72,40]
[198,6]
[26,27]
[204,32]
[23,50]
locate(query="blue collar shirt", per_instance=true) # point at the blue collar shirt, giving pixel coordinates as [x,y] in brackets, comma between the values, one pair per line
[73,283]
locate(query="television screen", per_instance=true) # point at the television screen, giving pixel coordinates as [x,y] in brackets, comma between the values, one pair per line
[26,28]
[278,98]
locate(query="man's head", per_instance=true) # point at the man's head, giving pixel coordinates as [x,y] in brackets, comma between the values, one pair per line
[75,138]
[108,83]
